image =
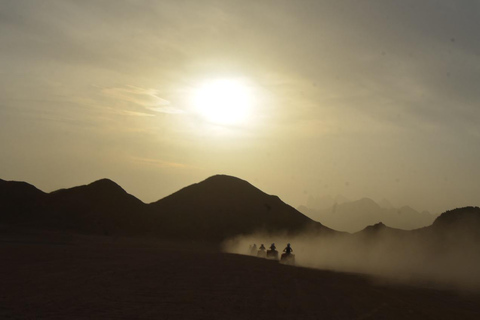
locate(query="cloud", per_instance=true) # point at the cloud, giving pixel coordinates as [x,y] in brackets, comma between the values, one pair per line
[167,109]
[136,114]
[146,98]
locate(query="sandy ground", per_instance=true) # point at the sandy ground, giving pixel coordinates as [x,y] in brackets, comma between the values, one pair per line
[102,278]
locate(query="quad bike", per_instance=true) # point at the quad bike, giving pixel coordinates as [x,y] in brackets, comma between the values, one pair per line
[261,254]
[272,254]
[288,258]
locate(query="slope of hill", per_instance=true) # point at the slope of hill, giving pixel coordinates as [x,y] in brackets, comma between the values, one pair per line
[18,201]
[460,226]
[467,217]
[222,206]
[355,215]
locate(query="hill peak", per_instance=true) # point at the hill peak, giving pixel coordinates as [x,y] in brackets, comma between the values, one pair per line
[104,187]
[376,226]
[105,183]
[381,228]
[225,185]
[468,216]
[224,179]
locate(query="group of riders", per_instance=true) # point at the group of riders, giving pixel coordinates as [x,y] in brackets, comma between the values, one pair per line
[253,249]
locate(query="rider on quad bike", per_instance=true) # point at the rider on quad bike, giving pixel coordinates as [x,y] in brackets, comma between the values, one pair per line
[253,249]
[272,253]
[288,257]
[261,251]
[288,249]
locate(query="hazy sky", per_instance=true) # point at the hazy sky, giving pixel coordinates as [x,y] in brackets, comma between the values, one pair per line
[375,99]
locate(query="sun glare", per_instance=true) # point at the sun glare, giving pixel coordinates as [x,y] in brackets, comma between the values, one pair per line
[226,102]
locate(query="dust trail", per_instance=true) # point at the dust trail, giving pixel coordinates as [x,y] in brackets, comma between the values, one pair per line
[409,258]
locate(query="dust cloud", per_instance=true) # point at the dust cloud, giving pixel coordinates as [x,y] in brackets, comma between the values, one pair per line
[410,257]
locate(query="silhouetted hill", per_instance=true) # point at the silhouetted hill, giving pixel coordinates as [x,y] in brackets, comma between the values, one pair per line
[380,229]
[101,207]
[375,228]
[223,206]
[461,217]
[460,225]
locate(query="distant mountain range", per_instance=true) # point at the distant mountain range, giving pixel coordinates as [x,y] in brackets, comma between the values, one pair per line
[212,210]
[458,228]
[353,216]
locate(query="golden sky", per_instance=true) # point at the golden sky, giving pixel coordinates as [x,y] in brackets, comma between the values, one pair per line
[375,99]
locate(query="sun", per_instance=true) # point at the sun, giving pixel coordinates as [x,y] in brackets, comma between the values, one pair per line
[223,101]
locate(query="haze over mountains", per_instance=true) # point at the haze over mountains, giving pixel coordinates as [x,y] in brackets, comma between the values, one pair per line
[352,216]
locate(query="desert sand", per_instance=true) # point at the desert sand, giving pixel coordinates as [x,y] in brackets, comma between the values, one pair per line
[72,277]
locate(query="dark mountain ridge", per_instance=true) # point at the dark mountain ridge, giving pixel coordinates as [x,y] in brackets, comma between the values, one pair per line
[101,207]
[214,209]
